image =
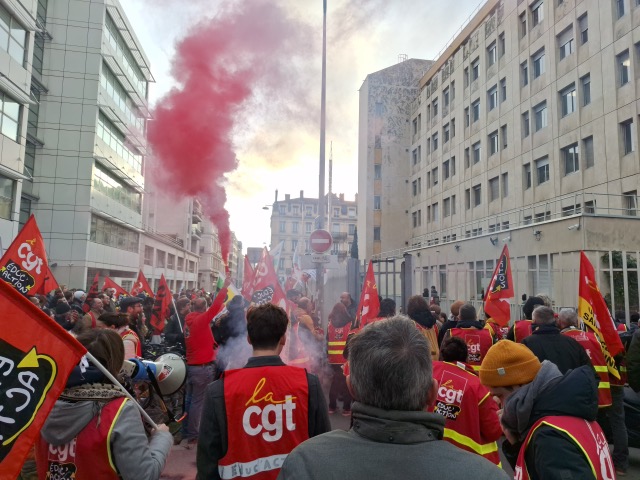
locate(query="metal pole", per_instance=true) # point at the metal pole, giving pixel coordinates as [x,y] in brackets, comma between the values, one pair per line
[322,201]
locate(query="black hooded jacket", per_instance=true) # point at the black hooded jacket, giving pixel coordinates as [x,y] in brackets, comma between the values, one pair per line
[551,453]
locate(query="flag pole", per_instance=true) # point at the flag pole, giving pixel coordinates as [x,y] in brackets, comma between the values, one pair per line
[113,379]
[175,309]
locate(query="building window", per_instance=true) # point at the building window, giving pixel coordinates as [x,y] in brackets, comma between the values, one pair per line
[492,54]
[113,235]
[568,100]
[114,88]
[376,234]
[414,216]
[466,158]
[502,45]
[565,42]
[453,166]
[524,73]
[113,188]
[25,211]
[307,227]
[453,127]
[414,188]
[352,228]
[503,89]
[283,227]
[525,124]
[475,69]
[445,133]
[540,111]
[523,24]
[583,26]
[619,4]
[294,227]
[160,257]
[466,117]
[466,77]
[585,83]
[623,64]
[9,114]
[493,143]
[181,264]
[477,195]
[435,107]
[148,255]
[453,90]
[377,171]
[434,176]
[434,212]
[542,170]
[376,202]
[414,156]
[435,141]
[445,170]
[538,63]
[467,198]
[505,185]
[570,158]
[626,133]
[445,97]
[6,197]
[630,203]
[476,152]
[475,108]
[419,185]
[115,139]
[526,176]
[492,97]
[12,36]
[537,13]
[446,207]
[587,149]
[503,134]
[494,188]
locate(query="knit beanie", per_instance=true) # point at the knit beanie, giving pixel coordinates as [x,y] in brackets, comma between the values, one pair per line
[529,305]
[507,364]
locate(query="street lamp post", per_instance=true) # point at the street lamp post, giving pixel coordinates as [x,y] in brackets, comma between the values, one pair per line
[321,198]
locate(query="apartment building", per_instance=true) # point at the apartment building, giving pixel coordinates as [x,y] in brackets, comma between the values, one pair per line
[293,220]
[210,264]
[384,139]
[527,124]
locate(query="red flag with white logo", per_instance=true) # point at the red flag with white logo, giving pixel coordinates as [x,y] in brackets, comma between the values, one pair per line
[108,283]
[369,304]
[50,283]
[36,358]
[247,282]
[141,286]
[266,287]
[161,305]
[496,301]
[24,264]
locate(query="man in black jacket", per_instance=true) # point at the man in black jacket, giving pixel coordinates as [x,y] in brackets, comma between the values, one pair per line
[224,435]
[548,418]
[174,330]
[547,343]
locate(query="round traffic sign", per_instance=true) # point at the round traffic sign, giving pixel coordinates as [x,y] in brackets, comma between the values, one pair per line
[320,241]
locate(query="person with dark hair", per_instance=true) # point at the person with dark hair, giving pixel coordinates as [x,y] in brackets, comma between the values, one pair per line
[254,416]
[419,311]
[471,414]
[132,307]
[94,431]
[521,329]
[174,331]
[387,308]
[452,321]
[476,337]
[120,323]
[340,322]
[392,434]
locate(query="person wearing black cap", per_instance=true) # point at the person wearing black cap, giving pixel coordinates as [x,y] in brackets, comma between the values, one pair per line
[522,328]
[65,316]
[132,307]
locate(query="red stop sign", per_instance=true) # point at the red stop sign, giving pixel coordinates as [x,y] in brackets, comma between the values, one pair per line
[320,241]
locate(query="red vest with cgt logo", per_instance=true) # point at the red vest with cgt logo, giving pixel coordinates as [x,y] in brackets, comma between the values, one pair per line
[337,340]
[88,455]
[478,342]
[586,435]
[267,417]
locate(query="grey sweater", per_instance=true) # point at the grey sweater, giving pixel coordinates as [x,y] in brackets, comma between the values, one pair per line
[386,445]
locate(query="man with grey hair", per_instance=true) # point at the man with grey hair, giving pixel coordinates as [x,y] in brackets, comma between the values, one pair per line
[546,342]
[392,435]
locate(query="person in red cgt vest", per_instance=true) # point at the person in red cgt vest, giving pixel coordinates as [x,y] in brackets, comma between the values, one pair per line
[254,416]
[471,415]
[521,329]
[549,419]
[339,327]
[477,338]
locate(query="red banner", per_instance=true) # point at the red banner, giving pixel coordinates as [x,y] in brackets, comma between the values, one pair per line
[36,358]
[108,283]
[247,282]
[496,301]
[369,304]
[593,311]
[24,264]
[141,286]
[266,287]
[160,305]
[49,284]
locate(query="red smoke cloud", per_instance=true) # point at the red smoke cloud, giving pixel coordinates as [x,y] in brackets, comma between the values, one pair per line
[218,68]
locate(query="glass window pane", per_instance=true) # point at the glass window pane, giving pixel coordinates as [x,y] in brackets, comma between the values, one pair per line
[9,128]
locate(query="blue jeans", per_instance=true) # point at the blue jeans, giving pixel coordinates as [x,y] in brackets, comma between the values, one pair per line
[198,377]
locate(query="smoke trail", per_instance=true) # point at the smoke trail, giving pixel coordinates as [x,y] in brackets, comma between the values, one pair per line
[230,62]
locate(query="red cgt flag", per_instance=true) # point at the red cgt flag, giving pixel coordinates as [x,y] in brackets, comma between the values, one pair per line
[369,304]
[108,283]
[247,282]
[266,287]
[160,305]
[24,264]
[92,293]
[50,283]
[141,286]
[36,358]
[496,302]
[593,311]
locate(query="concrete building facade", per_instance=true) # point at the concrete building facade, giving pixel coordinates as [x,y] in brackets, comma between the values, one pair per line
[527,128]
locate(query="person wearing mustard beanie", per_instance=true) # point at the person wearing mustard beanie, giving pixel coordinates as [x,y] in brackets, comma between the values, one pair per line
[530,392]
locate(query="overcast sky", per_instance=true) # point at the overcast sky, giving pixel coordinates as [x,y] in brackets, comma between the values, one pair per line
[276,138]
